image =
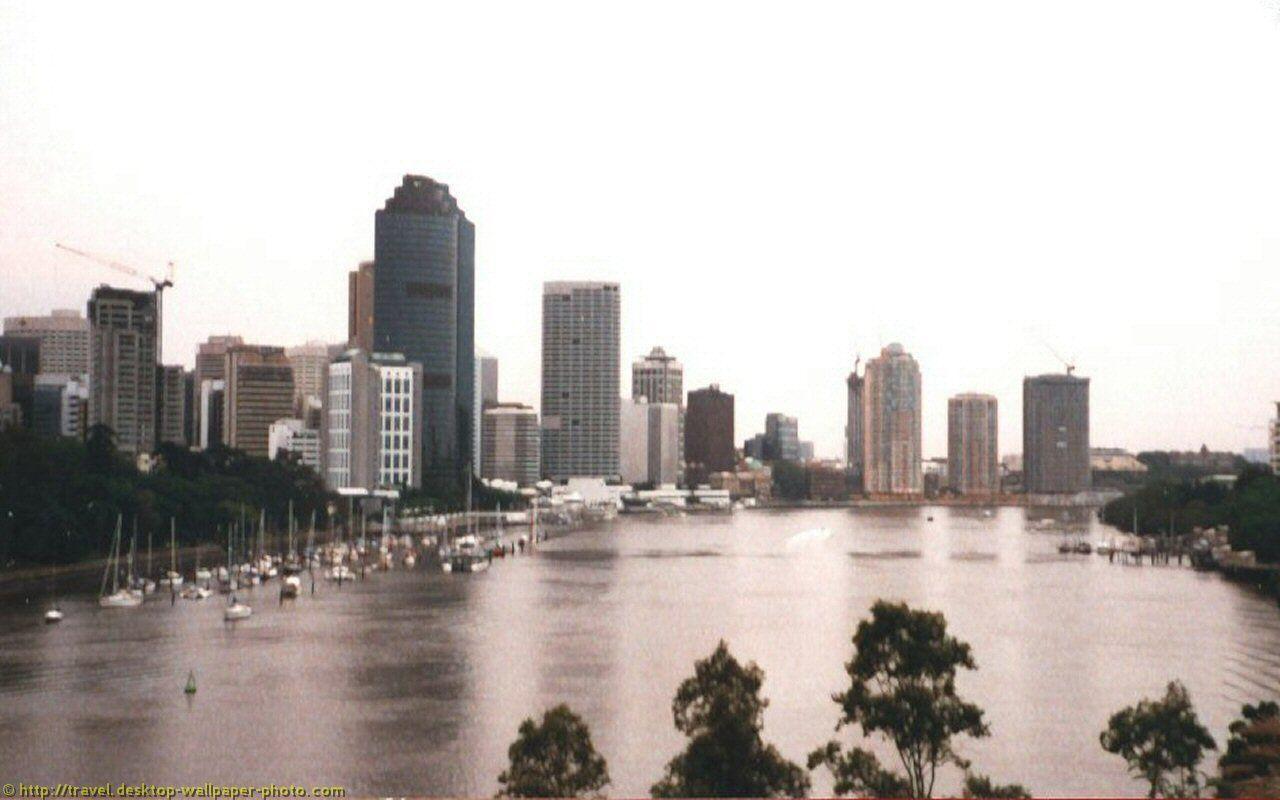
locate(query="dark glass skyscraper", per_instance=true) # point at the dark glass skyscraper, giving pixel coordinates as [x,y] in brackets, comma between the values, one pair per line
[424,308]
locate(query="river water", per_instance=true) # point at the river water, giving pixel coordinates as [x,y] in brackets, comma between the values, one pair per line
[415,681]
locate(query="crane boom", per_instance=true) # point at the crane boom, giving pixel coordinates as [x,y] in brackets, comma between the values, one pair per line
[158,283]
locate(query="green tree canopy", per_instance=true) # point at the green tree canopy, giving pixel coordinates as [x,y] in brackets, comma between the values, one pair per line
[721,711]
[1162,741]
[554,758]
[1251,765]
[980,786]
[902,687]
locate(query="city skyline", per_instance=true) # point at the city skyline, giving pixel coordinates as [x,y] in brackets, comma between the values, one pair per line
[1167,277]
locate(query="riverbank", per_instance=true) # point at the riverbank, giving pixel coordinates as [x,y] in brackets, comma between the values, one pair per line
[23,579]
[1087,500]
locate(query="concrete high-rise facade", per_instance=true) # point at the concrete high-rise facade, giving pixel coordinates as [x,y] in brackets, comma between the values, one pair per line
[310,363]
[211,408]
[173,405]
[853,446]
[1055,434]
[708,434]
[61,406]
[581,323]
[658,377]
[64,340]
[649,439]
[512,450]
[360,307]
[124,347]
[891,429]
[424,308]
[20,355]
[371,434]
[485,389]
[973,455]
[259,391]
[292,438]
[211,365]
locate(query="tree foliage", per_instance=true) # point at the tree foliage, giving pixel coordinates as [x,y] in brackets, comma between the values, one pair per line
[1162,741]
[721,711]
[902,687]
[60,497]
[980,786]
[554,758]
[1250,767]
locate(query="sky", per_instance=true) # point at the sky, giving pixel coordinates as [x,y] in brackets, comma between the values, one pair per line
[778,189]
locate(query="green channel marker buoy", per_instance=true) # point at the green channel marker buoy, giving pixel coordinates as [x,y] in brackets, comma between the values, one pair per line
[191,683]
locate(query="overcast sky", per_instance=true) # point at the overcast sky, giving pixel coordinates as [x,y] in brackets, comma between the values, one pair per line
[776,191]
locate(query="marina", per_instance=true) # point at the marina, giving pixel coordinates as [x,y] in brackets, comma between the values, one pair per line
[416,678]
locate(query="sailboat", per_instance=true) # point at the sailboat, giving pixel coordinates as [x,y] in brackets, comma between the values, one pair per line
[172,579]
[235,610]
[139,584]
[119,598]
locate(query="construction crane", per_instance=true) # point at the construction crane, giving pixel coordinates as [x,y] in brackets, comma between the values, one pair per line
[160,284]
[1071,368]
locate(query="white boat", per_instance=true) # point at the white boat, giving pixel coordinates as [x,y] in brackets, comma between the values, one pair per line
[121,598]
[468,555]
[203,576]
[196,593]
[409,560]
[340,572]
[291,586]
[53,615]
[171,581]
[236,611]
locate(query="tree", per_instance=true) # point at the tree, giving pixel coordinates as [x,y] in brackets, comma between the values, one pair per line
[980,786]
[1163,742]
[1251,765]
[721,711]
[903,687]
[554,758]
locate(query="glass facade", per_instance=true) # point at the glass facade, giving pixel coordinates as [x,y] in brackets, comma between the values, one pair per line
[424,308]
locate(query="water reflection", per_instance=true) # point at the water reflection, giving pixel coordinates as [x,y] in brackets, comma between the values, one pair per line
[416,682]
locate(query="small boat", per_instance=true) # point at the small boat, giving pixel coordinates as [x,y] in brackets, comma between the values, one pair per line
[53,615]
[190,688]
[290,587]
[236,611]
[1082,547]
[1066,547]
[409,560]
[196,593]
[121,598]
[203,576]
[340,572]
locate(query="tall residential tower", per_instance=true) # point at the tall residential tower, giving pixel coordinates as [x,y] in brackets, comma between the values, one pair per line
[972,453]
[891,424]
[1055,434]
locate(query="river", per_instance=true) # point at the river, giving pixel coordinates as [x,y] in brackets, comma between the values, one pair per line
[414,682]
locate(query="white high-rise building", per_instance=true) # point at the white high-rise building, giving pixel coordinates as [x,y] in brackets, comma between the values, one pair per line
[649,442]
[581,322]
[371,435]
[891,429]
[293,437]
[64,340]
[485,388]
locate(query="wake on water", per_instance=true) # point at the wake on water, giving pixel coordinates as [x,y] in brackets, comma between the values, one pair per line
[808,539]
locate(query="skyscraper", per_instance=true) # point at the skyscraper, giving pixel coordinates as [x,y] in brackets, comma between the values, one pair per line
[649,436]
[658,377]
[891,428]
[21,356]
[309,362]
[485,389]
[124,339]
[211,365]
[511,444]
[853,425]
[424,308]
[64,340]
[1055,434]
[708,434]
[173,405]
[972,453]
[360,306]
[259,391]
[580,363]
[781,438]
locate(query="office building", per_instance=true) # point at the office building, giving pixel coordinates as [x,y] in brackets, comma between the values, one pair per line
[10,412]
[658,377]
[649,442]
[708,434]
[21,354]
[1055,434]
[512,449]
[853,445]
[372,430]
[291,438]
[891,429]
[173,405]
[485,390]
[580,364]
[973,455]
[60,406]
[211,409]
[211,365]
[424,308]
[63,337]
[781,438]
[310,363]
[259,391]
[124,341]
[360,307]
